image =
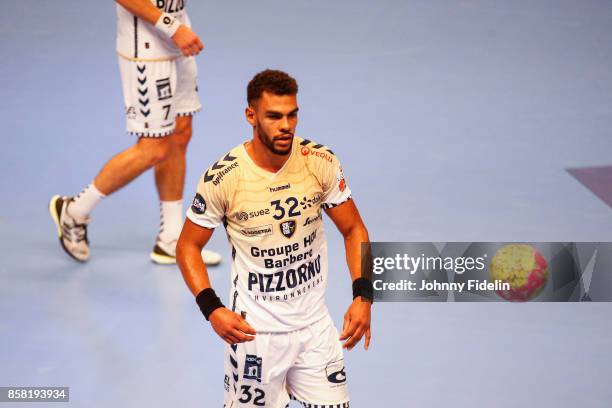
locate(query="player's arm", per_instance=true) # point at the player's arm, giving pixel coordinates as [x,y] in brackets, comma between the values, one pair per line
[183,37]
[357,317]
[230,326]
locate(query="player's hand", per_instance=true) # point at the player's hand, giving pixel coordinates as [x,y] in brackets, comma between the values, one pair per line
[356,324]
[187,41]
[230,326]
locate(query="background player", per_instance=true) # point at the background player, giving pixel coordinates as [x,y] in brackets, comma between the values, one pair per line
[269,194]
[156,46]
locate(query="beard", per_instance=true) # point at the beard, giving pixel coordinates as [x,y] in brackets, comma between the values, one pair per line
[269,142]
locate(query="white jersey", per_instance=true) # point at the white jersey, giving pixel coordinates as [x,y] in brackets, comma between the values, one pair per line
[275,227]
[140,40]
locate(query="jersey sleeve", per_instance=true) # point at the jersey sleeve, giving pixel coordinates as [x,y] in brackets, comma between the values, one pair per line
[335,189]
[208,206]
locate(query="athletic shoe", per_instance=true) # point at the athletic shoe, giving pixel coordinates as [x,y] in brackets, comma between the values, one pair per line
[164,253]
[72,231]
[211,257]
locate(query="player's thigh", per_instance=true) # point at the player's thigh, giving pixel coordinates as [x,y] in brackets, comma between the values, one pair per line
[149,89]
[319,375]
[187,96]
[255,372]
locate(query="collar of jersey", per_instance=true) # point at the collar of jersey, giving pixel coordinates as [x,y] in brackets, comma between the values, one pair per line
[265,172]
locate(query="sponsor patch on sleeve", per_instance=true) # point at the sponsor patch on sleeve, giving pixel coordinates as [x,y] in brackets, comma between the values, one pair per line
[341,181]
[198,205]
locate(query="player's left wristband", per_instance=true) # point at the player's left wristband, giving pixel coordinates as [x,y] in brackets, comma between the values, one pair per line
[363,287]
[208,301]
[167,24]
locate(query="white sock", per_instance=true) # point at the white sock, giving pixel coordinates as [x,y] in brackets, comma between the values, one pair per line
[171,220]
[85,201]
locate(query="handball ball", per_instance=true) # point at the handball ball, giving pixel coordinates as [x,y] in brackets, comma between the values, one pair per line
[523,267]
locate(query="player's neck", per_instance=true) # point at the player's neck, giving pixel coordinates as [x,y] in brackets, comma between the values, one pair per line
[263,157]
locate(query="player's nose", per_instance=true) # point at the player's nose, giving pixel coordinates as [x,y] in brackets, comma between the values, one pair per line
[284,124]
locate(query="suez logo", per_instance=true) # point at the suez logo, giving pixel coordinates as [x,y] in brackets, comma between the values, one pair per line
[243,215]
[290,207]
[170,6]
[306,151]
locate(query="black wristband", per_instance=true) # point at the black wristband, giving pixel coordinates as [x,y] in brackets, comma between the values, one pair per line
[363,287]
[208,302]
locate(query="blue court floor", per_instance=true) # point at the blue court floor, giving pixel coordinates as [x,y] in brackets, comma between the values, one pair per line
[454,120]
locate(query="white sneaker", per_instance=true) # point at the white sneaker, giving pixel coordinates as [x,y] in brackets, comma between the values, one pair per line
[72,231]
[211,257]
[164,253]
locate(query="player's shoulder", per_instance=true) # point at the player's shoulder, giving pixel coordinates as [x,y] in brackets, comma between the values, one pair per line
[315,153]
[224,169]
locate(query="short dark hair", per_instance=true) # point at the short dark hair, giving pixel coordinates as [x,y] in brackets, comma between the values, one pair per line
[271,80]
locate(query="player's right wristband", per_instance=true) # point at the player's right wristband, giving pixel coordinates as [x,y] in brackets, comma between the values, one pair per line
[363,287]
[167,24]
[208,302]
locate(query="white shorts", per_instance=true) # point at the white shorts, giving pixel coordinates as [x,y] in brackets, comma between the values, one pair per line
[156,92]
[305,365]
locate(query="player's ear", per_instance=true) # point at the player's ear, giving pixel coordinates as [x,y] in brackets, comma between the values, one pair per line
[249,112]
